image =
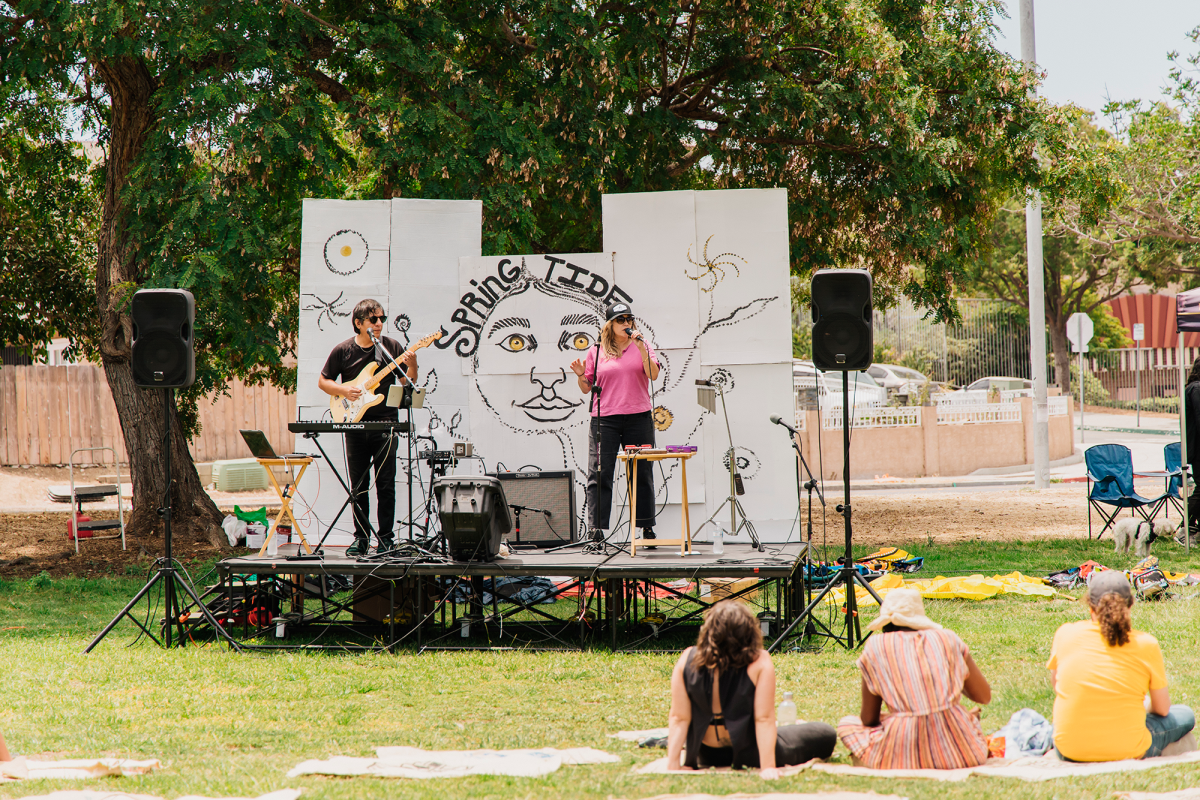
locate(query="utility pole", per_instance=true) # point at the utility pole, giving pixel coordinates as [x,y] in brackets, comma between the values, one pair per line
[1037,291]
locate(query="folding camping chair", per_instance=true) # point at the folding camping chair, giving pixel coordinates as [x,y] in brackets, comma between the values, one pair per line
[1173,459]
[1110,483]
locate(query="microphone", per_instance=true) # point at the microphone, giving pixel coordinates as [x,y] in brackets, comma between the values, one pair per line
[779,421]
[704,382]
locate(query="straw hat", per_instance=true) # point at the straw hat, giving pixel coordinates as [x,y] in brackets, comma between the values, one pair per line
[905,608]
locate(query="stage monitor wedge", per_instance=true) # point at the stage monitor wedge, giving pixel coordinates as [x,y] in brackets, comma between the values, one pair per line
[163,355]
[842,335]
[547,491]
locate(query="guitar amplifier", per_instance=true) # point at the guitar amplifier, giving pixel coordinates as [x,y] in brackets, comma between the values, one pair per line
[552,492]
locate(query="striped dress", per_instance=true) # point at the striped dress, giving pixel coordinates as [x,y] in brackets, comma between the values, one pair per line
[919,675]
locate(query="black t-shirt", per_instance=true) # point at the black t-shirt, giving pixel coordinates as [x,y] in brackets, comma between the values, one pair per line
[349,358]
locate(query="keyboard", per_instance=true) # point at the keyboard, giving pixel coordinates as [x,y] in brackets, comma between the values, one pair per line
[326,426]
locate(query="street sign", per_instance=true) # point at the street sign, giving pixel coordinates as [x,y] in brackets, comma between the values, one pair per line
[1079,331]
[1139,331]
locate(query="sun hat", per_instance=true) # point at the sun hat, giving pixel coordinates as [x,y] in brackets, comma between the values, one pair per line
[1108,581]
[617,310]
[905,608]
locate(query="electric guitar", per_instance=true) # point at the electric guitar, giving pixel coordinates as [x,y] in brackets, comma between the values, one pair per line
[344,409]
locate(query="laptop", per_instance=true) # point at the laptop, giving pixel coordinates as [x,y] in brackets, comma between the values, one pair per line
[261,448]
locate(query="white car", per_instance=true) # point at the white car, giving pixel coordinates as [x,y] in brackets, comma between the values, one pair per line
[896,379]
[813,385]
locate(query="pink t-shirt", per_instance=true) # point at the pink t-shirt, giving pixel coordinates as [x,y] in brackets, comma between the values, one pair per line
[625,388]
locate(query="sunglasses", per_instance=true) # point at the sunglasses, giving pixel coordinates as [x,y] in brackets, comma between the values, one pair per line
[625,319]
[374,318]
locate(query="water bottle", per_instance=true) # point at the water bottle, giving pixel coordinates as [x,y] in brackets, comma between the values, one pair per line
[718,542]
[272,541]
[786,713]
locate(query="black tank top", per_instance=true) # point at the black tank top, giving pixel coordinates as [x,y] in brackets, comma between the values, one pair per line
[737,707]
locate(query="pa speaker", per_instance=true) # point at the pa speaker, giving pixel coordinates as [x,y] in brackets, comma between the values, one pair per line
[547,501]
[842,337]
[164,355]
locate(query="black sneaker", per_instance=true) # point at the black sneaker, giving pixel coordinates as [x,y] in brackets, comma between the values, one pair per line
[596,535]
[361,547]
[648,533]
[386,544]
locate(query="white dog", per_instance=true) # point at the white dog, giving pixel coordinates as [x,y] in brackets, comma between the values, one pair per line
[1140,534]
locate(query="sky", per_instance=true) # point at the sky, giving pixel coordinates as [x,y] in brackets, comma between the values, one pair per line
[1096,50]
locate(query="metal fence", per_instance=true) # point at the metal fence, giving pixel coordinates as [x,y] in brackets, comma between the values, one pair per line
[992,338]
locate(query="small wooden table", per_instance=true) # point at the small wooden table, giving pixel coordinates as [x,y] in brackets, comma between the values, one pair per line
[685,538]
[285,496]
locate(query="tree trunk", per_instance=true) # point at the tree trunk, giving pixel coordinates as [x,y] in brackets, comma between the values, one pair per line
[1062,353]
[141,411]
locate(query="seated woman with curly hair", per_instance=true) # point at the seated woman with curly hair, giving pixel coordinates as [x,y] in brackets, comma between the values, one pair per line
[1101,670]
[723,702]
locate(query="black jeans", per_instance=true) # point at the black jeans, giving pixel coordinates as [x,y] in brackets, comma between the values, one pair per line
[365,449]
[794,744]
[609,434]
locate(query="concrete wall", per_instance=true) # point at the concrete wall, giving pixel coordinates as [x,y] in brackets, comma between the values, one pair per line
[933,449]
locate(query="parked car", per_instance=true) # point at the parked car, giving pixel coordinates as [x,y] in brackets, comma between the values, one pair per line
[898,380]
[812,384]
[1001,383]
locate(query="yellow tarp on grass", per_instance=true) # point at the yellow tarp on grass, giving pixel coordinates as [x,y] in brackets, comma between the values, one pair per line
[970,587]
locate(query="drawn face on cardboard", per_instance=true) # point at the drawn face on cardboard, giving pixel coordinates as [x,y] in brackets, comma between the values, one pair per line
[522,365]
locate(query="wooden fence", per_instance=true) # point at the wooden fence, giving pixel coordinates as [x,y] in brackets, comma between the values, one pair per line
[46,412]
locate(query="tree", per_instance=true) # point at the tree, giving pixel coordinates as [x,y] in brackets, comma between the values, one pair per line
[895,125]
[47,230]
[1157,168]
[1081,274]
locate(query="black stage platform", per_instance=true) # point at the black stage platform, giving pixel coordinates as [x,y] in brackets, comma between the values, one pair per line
[273,602]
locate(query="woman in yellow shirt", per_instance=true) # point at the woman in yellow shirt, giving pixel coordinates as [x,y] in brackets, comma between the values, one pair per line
[1101,670]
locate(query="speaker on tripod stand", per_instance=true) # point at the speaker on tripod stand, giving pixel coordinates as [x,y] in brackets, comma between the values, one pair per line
[842,341]
[163,357]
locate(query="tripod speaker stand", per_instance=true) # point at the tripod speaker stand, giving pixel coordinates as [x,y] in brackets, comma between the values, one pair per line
[842,341]
[166,570]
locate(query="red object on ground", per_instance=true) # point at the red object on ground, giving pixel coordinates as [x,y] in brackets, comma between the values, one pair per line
[71,523]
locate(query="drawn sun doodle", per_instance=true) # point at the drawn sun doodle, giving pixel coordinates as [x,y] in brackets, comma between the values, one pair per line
[662,418]
[346,252]
[711,268]
[328,308]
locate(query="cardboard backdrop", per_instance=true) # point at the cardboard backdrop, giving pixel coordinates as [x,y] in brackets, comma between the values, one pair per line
[705,272]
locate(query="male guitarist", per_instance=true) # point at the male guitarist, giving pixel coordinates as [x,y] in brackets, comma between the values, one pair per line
[377,448]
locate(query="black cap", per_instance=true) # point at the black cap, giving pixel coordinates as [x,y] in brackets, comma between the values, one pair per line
[617,310]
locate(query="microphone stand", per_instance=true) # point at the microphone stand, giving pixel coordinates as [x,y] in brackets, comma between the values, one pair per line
[809,485]
[518,509]
[409,436]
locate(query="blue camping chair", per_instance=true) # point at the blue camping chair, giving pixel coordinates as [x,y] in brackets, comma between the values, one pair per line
[1172,457]
[1110,483]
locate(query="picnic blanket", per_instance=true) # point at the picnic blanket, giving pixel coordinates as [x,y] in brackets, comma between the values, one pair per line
[99,794]
[1026,769]
[781,796]
[413,762]
[659,767]
[22,768]
[970,587]
[1180,794]
[640,736]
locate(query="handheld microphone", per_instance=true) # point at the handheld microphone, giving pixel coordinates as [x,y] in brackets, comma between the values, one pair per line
[779,421]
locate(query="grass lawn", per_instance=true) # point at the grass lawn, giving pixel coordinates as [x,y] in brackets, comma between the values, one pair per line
[229,724]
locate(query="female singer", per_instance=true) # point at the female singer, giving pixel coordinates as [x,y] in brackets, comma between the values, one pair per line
[620,368]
